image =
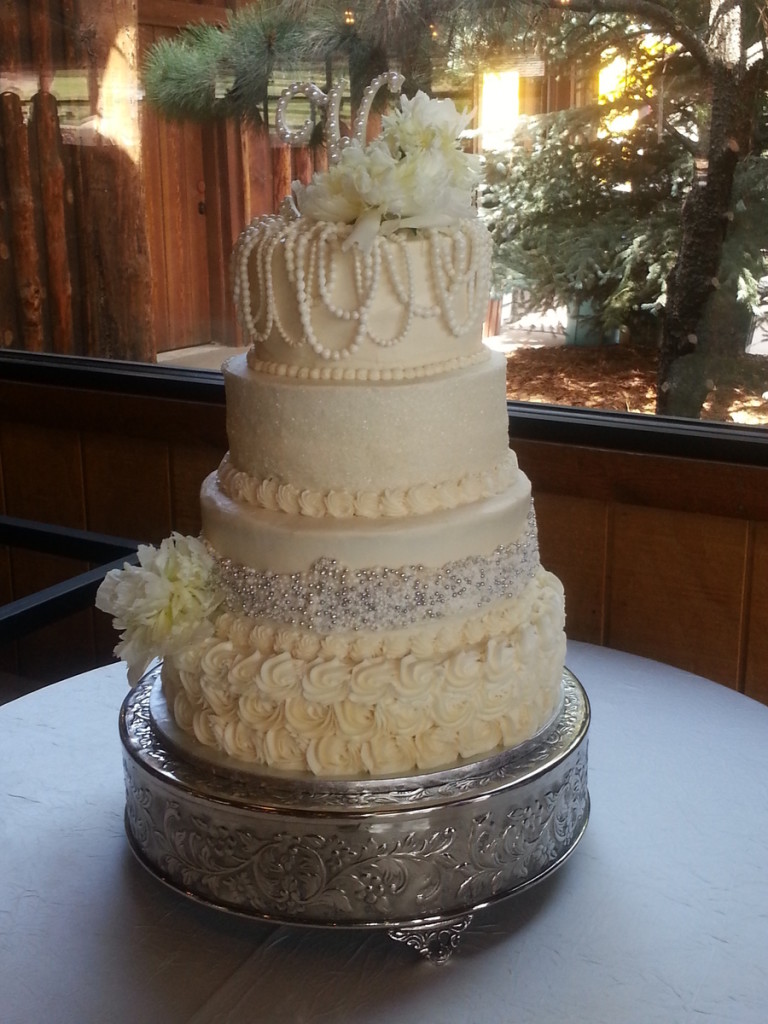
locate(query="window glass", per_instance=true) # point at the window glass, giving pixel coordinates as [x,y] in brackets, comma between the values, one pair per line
[625,170]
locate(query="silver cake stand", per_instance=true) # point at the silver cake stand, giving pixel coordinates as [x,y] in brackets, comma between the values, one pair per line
[416,856]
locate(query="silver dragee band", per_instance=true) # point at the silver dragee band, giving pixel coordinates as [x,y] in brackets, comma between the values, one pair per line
[330,597]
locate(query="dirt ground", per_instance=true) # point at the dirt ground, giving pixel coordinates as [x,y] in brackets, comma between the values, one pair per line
[616,377]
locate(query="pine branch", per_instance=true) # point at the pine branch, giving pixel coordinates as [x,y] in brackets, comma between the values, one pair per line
[657,15]
[181,74]
[208,72]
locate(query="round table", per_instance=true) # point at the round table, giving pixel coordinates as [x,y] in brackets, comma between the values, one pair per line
[660,915]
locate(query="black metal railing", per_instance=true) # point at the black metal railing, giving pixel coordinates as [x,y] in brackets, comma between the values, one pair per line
[51,603]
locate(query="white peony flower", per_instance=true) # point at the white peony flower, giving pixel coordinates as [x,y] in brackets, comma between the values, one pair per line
[421,122]
[415,175]
[162,604]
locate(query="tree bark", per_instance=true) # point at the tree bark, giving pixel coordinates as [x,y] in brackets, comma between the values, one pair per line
[25,255]
[112,233]
[45,119]
[114,255]
[705,324]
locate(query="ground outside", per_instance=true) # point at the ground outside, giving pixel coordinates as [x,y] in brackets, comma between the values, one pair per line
[620,377]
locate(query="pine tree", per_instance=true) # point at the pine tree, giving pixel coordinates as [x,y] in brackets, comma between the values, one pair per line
[685,239]
[583,218]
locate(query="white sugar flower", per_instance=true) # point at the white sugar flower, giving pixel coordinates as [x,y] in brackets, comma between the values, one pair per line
[423,124]
[415,175]
[162,604]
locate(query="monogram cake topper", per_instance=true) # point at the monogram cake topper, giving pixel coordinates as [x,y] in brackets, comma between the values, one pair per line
[331,104]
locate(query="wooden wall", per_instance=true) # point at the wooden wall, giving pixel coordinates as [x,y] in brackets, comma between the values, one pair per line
[70,189]
[662,556]
[72,180]
[99,461]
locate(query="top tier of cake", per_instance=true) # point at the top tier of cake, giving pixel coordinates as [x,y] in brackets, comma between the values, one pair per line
[409,305]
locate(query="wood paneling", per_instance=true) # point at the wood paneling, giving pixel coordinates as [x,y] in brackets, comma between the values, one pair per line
[158,420]
[183,233]
[665,482]
[73,650]
[6,590]
[257,160]
[180,13]
[189,467]
[572,541]
[42,473]
[756,674]
[8,658]
[127,487]
[65,647]
[224,216]
[676,589]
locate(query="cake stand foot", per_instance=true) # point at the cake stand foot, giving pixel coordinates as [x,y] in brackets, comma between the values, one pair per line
[436,941]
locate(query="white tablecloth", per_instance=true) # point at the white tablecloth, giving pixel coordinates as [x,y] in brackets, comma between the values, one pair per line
[660,915]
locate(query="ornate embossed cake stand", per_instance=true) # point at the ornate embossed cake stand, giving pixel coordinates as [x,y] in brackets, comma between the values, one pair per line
[416,856]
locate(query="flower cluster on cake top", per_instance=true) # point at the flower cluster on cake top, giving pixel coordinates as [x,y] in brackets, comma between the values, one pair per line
[415,174]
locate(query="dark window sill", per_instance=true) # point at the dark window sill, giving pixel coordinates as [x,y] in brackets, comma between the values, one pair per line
[628,432]
[646,435]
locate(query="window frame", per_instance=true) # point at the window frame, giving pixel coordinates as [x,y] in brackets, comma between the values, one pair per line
[565,425]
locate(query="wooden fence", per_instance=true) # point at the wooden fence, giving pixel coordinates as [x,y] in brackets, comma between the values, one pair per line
[74,268]
[90,236]
[77,266]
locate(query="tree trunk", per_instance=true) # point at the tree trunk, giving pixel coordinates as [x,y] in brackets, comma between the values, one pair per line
[53,188]
[705,325]
[113,253]
[24,239]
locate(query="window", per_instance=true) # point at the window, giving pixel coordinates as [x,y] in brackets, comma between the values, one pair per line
[118,221]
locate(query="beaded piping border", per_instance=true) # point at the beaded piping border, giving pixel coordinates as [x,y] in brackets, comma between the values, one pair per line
[375,374]
[330,597]
[394,503]
[307,258]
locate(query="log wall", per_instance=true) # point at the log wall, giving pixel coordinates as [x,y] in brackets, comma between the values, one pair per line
[100,252]
[68,193]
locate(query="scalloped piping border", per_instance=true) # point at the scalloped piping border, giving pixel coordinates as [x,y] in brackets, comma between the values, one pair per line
[421,499]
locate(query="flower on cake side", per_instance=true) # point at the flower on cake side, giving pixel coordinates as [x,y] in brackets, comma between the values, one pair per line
[413,175]
[163,604]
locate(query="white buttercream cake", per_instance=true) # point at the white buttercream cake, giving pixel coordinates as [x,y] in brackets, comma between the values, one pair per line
[366,597]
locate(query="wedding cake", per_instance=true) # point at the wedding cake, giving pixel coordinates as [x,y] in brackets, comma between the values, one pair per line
[366,597]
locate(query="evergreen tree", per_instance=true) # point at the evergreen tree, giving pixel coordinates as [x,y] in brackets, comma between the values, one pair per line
[684,239]
[579,217]
[721,45]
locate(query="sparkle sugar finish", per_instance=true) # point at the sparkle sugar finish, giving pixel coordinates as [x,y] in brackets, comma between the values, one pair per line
[394,434]
[415,855]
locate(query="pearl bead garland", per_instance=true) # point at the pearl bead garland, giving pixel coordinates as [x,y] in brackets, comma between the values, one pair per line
[460,276]
[363,373]
[313,264]
[331,104]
